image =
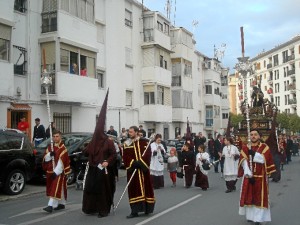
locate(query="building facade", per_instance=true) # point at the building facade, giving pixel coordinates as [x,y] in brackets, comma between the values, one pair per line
[152,70]
[275,72]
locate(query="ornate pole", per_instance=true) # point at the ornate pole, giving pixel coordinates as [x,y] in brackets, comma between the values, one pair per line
[46,81]
[244,67]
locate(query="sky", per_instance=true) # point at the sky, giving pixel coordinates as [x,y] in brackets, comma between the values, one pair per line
[266,24]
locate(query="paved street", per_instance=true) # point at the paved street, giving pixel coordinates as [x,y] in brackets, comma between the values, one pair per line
[174,205]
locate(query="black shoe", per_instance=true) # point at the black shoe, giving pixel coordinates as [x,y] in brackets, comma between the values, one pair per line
[48,209]
[227,191]
[60,206]
[132,215]
[100,215]
[204,189]
[257,223]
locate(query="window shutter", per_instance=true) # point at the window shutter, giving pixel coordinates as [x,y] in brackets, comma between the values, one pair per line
[149,57]
[49,52]
[128,57]
[149,88]
[128,98]
[167,96]
[5,32]
[100,33]
[91,67]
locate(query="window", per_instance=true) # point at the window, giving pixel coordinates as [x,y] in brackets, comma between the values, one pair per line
[275,60]
[217,111]
[20,6]
[188,68]
[49,16]
[19,60]
[148,29]
[100,77]
[209,116]
[83,9]
[62,121]
[160,26]
[166,28]
[149,98]
[224,115]
[128,57]
[8,142]
[4,49]
[217,91]
[128,18]
[161,61]
[77,61]
[265,64]
[160,95]
[128,98]
[5,36]
[208,89]
[100,33]
[285,56]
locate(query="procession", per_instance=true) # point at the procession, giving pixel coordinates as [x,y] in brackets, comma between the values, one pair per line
[156,112]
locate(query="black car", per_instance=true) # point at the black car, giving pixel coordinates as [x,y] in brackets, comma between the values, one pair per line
[17,161]
[69,139]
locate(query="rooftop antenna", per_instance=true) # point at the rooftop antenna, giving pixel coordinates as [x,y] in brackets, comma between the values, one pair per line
[168,7]
[174,12]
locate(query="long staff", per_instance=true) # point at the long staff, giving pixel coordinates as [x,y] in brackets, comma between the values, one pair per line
[132,175]
[46,82]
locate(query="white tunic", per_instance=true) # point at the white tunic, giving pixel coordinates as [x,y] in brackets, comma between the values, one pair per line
[199,158]
[157,160]
[230,165]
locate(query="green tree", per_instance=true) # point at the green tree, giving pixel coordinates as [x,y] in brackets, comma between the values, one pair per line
[235,119]
[284,120]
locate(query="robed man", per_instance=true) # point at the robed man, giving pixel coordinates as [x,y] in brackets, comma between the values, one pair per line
[137,156]
[99,186]
[255,165]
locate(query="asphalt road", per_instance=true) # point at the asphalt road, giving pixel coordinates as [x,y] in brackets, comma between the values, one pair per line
[173,205]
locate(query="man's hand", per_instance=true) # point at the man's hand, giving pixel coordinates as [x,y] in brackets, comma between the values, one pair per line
[52,154]
[53,176]
[251,152]
[105,164]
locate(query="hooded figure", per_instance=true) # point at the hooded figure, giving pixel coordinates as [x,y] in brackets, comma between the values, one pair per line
[99,186]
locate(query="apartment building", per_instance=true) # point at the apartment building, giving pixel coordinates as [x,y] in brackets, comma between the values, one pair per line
[275,72]
[136,54]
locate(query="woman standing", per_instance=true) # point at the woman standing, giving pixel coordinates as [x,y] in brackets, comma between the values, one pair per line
[231,155]
[157,162]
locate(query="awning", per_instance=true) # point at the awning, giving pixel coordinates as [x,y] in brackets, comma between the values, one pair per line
[20,107]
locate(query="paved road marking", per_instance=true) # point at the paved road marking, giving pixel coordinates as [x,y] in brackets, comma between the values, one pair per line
[54,214]
[168,210]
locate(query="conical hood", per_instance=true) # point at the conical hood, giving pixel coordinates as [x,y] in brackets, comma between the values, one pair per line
[99,137]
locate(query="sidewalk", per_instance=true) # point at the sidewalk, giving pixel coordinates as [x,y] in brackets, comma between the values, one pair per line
[33,189]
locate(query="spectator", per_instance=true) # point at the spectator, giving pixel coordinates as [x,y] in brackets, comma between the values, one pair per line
[111,131]
[199,140]
[83,72]
[23,125]
[38,132]
[48,130]
[141,130]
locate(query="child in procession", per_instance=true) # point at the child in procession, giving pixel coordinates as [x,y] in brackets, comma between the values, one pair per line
[202,164]
[173,165]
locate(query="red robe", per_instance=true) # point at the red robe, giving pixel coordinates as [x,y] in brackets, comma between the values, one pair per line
[54,187]
[258,193]
[140,190]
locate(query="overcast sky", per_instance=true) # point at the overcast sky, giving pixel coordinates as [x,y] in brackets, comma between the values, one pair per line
[266,23]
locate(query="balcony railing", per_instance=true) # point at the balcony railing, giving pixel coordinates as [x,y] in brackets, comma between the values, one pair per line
[291,57]
[269,66]
[293,101]
[291,72]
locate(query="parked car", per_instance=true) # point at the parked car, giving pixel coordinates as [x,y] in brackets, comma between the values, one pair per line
[69,139]
[17,161]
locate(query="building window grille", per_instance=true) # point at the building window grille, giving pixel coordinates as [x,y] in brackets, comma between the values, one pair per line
[208,89]
[49,22]
[19,60]
[100,77]
[62,121]
[4,49]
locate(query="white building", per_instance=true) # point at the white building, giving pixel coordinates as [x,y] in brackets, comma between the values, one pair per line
[275,72]
[135,53]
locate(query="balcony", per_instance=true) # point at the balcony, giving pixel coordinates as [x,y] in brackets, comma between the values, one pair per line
[156,74]
[270,81]
[291,73]
[293,102]
[72,88]
[156,113]
[291,57]
[292,88]
[269,66]
[176,81]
